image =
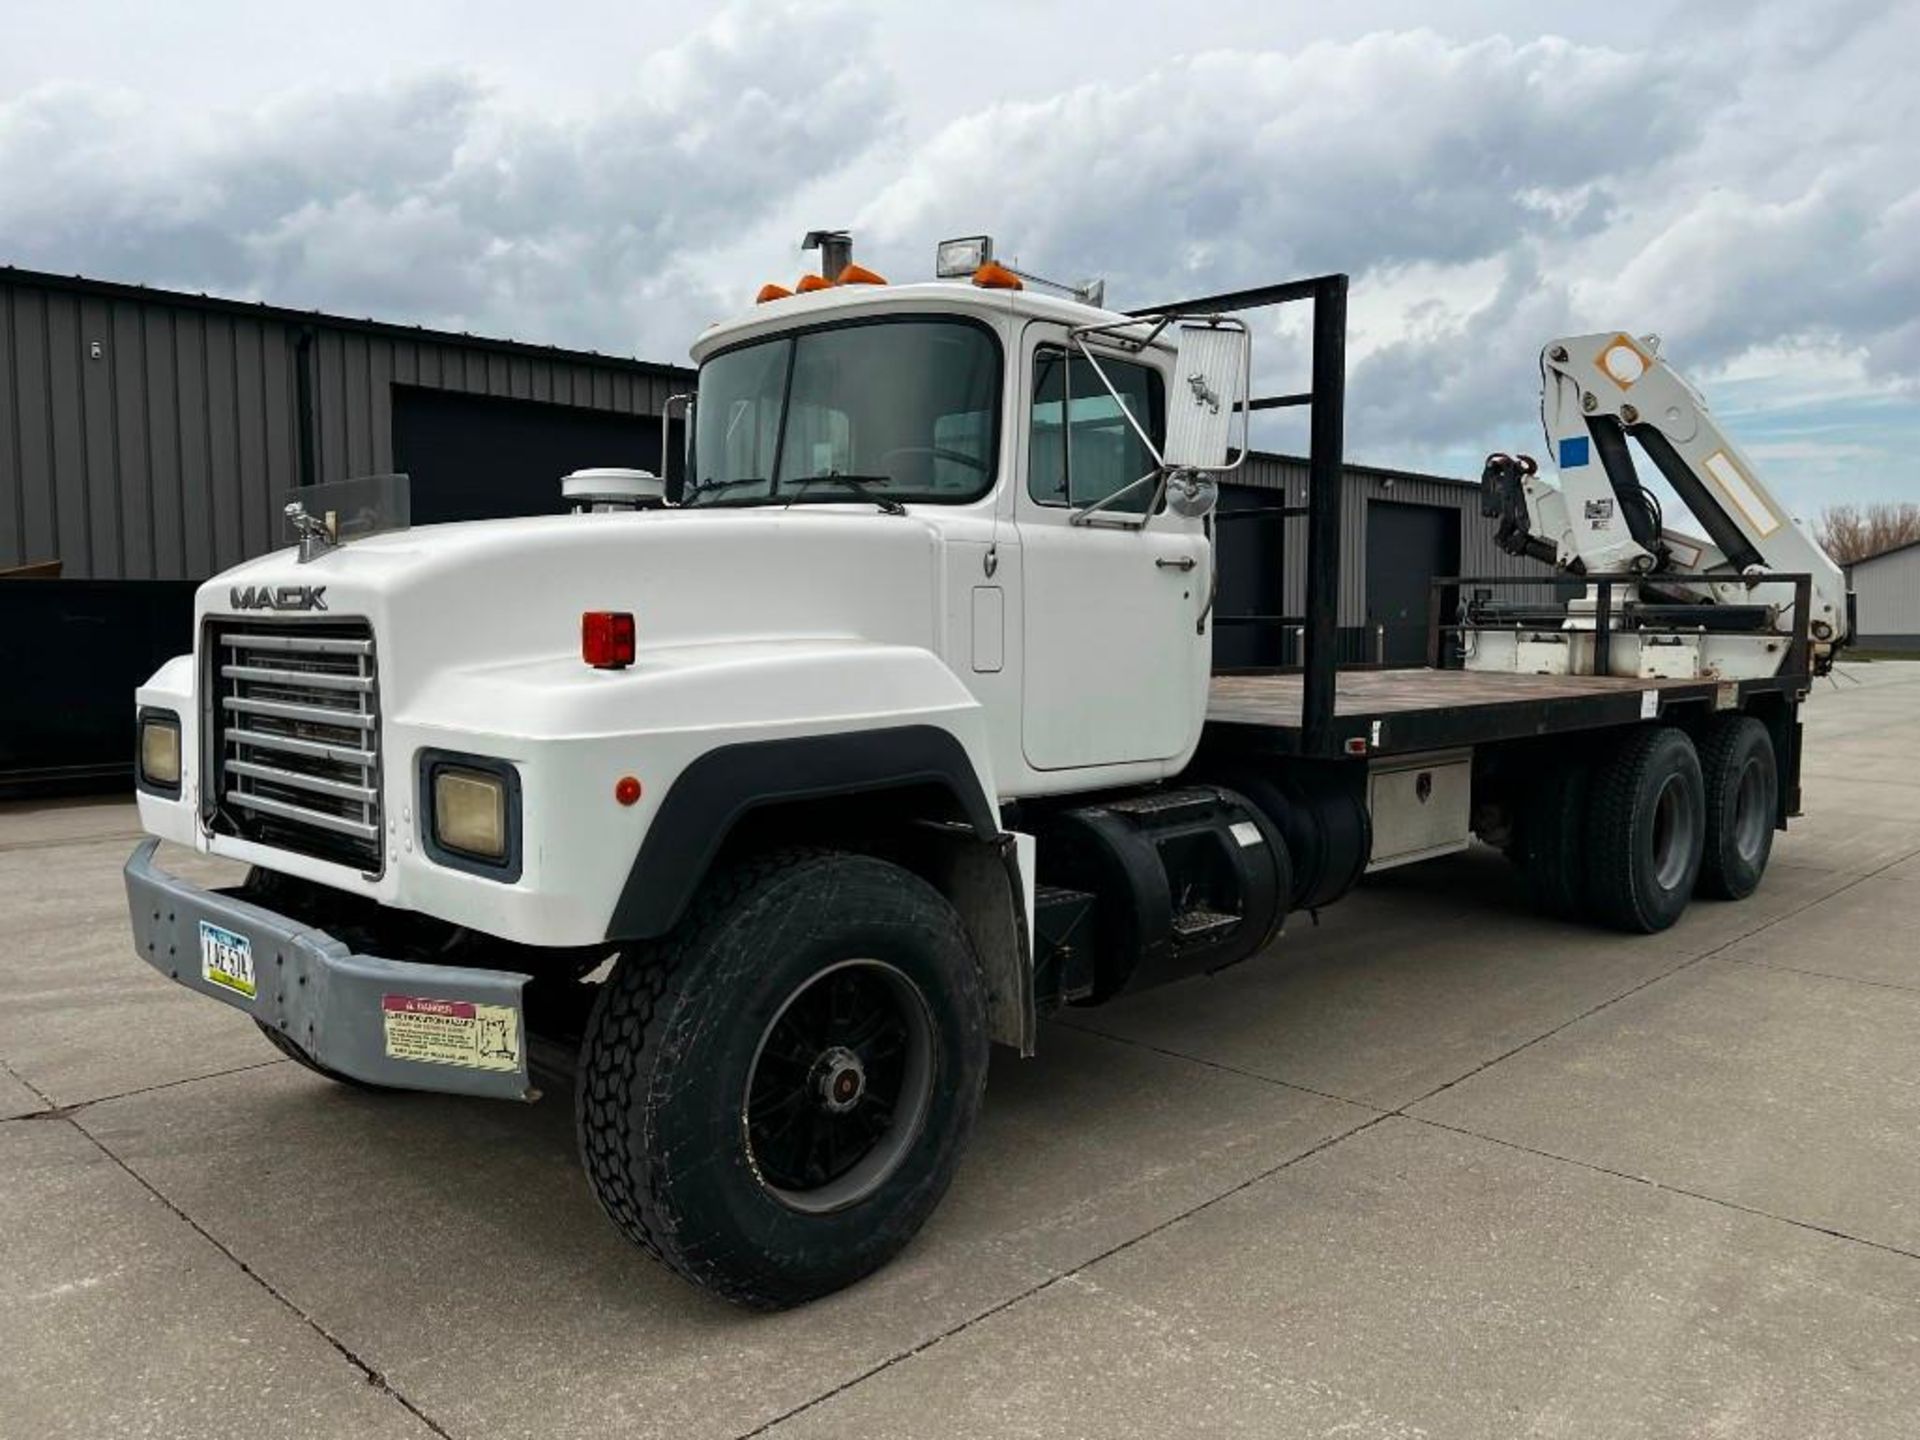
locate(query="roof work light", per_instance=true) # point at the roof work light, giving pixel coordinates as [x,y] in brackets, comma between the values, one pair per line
[958,259]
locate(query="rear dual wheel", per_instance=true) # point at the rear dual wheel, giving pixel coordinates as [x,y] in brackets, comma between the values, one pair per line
[1646,831]
[1628,838]
[1552,842]
[1742,782]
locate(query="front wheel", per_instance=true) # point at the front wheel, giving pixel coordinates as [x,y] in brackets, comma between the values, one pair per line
[773,1100]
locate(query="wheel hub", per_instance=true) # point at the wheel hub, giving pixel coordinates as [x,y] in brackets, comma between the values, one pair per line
[839,1087]
[838,1079]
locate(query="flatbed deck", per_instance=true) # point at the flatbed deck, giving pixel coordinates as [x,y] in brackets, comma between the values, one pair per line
[1423,709]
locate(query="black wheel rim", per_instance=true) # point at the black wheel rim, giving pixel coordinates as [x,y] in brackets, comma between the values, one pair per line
[837,1093]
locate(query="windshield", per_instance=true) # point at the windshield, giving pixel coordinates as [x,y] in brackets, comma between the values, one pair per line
[903,408]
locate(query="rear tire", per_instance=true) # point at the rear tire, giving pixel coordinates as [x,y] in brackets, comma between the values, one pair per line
[1646,831]
[1552,849]
[1743,795]
[773,1099]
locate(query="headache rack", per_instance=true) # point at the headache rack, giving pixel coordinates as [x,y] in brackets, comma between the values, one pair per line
[293,737]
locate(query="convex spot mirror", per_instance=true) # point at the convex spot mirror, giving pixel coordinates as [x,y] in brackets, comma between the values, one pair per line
[1191,495]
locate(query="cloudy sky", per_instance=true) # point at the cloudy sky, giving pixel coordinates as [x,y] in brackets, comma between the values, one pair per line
[1741,178]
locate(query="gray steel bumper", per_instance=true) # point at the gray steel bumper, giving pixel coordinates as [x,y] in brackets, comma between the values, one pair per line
[387,1022]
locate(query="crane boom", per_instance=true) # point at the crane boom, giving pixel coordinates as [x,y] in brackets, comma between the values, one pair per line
[1598,392]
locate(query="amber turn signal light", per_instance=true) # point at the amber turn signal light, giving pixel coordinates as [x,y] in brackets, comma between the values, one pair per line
[995,276]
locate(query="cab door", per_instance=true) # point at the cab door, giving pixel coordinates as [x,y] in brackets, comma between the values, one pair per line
[1115,671]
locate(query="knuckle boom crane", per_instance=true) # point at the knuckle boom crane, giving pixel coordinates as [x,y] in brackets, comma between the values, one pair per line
[1718,605]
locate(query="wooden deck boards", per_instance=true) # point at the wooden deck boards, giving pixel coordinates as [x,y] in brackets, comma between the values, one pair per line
[1276,699]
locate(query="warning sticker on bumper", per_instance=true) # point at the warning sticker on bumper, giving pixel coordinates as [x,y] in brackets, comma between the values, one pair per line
[451,1032]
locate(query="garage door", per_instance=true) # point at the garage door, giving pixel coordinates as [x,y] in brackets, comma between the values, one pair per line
[477,457]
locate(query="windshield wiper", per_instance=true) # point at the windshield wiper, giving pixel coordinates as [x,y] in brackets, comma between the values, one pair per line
[715,487]
[861,485]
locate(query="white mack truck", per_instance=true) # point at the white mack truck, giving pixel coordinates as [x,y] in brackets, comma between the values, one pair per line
[760,806]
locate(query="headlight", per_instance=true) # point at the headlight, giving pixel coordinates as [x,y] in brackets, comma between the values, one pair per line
[159,760]
[470,813]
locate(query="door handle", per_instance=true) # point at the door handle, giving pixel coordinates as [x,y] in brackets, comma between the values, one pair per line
[1184,562]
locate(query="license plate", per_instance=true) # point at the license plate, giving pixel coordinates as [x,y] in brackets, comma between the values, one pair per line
[226,959]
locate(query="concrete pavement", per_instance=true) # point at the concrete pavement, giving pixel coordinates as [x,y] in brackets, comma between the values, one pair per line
[1436,1167]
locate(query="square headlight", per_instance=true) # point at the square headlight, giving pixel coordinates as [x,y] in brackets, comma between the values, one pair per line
[159,755]
[470,811]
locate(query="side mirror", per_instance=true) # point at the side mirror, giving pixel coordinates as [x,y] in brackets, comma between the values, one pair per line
[1210,379]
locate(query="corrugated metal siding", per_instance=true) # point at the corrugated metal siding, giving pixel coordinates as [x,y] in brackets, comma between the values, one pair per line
[1478,554]
[167,457]
[1887,595]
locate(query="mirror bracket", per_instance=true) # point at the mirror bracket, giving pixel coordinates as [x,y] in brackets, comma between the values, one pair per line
[1216,361]
[1215,358]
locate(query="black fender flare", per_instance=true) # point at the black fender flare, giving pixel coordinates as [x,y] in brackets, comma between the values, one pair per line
[719,787]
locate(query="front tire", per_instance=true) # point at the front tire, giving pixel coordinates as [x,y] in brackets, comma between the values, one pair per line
[774,1099]
[1647,826]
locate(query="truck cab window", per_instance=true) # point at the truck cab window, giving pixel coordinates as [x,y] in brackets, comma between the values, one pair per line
[740,409]
[907,407]
[1106,454]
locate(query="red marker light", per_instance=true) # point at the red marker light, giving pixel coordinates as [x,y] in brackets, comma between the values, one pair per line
[606,639]
[627,790]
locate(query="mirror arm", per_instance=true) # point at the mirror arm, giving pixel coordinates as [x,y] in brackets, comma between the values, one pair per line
[1080,343]
[1085,515]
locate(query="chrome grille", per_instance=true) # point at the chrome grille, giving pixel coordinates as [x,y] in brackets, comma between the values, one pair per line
[296,736]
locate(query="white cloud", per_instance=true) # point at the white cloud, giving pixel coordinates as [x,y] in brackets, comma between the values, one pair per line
[435,198]
[1740,178]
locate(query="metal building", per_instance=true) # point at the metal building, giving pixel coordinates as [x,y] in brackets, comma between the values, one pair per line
[151,435]
[1886,589]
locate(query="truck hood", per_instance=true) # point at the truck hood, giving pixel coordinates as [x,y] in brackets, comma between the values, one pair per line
[506,592]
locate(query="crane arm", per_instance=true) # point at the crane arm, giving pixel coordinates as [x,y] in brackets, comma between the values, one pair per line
[1597,391]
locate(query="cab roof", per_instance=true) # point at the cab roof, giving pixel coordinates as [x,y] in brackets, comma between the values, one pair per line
[954,297]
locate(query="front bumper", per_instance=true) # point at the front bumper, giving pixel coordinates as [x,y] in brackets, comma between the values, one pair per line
[385,1022]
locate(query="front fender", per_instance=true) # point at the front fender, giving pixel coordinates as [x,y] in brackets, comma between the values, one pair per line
[711,731]
[716,790]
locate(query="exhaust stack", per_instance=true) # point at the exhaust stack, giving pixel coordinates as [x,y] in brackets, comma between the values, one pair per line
[836,251]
